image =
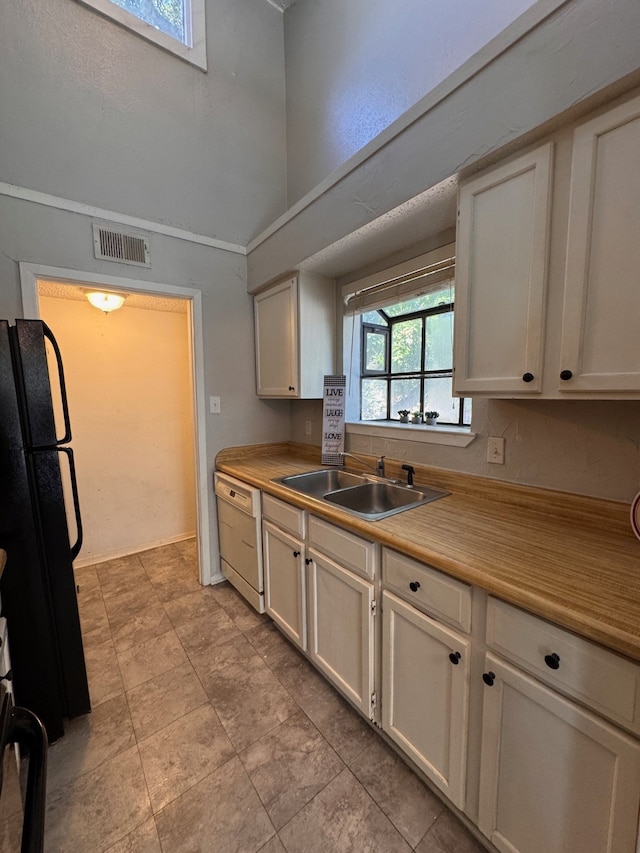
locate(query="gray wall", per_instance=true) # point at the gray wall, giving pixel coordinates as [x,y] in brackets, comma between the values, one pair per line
[354,66]
[94,113]
[590,447]
[586,447]
[40,235]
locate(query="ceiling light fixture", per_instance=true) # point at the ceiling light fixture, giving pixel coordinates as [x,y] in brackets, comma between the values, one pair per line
[106,302]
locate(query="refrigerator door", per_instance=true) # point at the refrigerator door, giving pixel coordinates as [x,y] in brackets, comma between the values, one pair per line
[56,560]
[32,375]
[25,595]
[40,601]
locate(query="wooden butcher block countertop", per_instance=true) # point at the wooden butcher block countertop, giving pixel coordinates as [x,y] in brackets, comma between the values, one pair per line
[571,559]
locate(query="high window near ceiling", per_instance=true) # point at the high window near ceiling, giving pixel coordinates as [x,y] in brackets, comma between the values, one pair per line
[403,355]
[175,25]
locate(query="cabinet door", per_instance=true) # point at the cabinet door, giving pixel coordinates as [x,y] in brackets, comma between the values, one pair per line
[276,330]
[601,312]
[425,689]
[284,577]
[341,628]
[501,277]
[553,776]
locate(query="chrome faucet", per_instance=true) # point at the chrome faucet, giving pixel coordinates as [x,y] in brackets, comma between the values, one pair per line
[379,468]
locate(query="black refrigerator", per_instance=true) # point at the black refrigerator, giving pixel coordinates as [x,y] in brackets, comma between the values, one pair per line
[37,589]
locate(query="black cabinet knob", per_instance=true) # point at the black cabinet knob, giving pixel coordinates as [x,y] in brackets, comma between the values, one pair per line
[8,676]
[552,661]
[308,561]
[454,657]
[291,388]
[296,553]
[527,377]
[414,586]
[489,678]
[565,375]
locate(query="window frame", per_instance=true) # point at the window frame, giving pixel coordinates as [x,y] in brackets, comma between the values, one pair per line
[387,375]
[194,52]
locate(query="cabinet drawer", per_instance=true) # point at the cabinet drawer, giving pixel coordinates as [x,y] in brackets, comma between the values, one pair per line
[349,550]
[428,589]
[598,678]
[287,517]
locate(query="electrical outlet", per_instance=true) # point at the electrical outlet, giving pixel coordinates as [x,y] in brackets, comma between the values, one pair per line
[308,427]
[495,450]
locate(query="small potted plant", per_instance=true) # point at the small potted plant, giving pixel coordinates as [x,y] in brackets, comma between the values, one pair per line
[404,416]
[431,418]
[416,417]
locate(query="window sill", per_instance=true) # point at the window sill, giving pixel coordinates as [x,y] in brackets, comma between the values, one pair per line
[449,435]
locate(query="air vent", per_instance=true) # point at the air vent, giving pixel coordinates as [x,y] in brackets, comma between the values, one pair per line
[118,246]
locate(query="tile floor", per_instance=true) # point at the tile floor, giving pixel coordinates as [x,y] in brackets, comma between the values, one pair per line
[211,732]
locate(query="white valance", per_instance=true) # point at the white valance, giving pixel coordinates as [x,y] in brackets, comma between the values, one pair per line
[405,281]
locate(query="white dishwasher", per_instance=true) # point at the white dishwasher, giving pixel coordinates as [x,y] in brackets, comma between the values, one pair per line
[240,533]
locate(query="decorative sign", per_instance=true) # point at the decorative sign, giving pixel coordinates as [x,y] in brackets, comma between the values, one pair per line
[333,419]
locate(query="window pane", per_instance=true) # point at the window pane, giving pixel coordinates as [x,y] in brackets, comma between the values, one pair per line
[439,342]
[373,403]
[375,351]
[165,15]
[438,397]
[375,318]
[406,341]
[405,394]
[420,303]
[467,411]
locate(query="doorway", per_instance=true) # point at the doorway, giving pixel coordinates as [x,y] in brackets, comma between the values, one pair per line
[142,372]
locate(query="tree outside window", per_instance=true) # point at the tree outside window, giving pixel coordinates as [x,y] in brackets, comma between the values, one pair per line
[168,16]
[407,360]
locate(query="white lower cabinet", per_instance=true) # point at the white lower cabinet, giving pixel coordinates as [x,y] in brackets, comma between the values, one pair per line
[284,582]
[538,756]
[425,677]
[553,777]
[341,628]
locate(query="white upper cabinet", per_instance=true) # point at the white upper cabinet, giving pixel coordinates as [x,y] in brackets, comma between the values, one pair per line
[294,336]
[601,315]
[562,323]
[501,277]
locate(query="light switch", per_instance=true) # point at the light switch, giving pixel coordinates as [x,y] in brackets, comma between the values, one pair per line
[495,450]
[214,405]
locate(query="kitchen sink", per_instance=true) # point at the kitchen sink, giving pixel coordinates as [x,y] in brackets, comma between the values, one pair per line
[318,483]
[379,500]
[358,494]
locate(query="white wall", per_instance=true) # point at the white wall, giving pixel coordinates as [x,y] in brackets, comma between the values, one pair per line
[354,66]
[94,113]
[128,378]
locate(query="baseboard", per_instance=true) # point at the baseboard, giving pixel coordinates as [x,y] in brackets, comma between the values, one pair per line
[136,549]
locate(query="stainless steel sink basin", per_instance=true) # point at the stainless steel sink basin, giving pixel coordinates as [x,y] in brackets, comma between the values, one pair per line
[360,494]
[378,500]
[318,483]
